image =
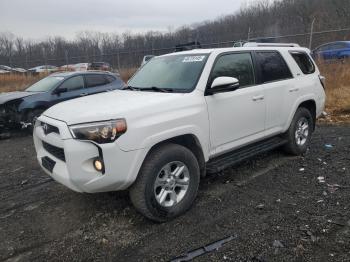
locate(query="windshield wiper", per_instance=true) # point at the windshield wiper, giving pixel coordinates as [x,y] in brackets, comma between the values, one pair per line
[157,89]
[131,88]
[152,88]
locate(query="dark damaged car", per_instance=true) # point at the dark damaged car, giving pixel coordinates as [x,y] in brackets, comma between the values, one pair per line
[22,108]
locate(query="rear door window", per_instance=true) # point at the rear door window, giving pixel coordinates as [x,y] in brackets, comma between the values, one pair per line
[272,66]
[73,83]
[238,65]
[304,62]
[95,80]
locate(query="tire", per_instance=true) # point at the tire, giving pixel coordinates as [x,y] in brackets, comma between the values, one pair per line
[300,132]
[148,192]
[31,118]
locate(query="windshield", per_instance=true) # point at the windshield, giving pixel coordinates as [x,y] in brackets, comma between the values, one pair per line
[175,72]
[46,84]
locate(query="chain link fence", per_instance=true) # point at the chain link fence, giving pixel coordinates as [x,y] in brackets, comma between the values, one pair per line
[131,58]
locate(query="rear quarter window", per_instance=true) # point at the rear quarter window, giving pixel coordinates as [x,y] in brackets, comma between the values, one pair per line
[272,67]
[110,79]
[304,62]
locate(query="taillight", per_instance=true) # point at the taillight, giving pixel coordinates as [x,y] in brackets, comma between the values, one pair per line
[323,81]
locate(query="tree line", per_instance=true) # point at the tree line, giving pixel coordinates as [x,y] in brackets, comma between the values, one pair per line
[262,19]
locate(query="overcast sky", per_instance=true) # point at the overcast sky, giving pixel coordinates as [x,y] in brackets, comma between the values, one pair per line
[37,19]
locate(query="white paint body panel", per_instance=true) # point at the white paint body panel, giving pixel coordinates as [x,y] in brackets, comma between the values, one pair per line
[220,122]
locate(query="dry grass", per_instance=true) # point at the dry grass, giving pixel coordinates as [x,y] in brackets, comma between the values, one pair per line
[126,74]
[17,82]
[337,90]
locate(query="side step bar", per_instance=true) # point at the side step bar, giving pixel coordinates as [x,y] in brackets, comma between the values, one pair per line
[224,161]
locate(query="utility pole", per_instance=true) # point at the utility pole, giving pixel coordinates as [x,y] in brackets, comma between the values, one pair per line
[152,45]
[248,39]
[45,57]
[312,32]
[66,55]
[118,57]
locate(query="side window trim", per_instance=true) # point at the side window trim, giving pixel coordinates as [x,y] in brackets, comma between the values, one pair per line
[259,67]
[85,81]
[232,53]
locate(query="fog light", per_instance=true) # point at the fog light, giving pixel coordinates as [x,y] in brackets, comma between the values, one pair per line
[98,164]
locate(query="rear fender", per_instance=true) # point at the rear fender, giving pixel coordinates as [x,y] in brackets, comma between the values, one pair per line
[296,105]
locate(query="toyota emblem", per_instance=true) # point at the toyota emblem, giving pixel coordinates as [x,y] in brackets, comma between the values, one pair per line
[45,128]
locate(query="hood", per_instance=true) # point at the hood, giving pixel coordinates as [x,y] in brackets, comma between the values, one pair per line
[5,97]
[111,105]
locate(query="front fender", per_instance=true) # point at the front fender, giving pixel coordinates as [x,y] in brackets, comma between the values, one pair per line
[27,106]
[145,131]
[157,138]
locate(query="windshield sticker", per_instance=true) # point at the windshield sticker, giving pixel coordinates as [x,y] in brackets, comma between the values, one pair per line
[193,59]
[59,78]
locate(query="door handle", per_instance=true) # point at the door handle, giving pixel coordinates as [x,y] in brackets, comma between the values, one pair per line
[293,90]
[258,98]
[83,94]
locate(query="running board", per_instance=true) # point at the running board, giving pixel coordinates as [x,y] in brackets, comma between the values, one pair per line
[224,161]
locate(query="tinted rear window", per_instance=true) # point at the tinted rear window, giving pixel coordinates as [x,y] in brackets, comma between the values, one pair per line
[95,80]
[304,62]
[273,67]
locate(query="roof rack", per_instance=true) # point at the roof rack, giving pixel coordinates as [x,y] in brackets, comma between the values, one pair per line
[255,44]
[187,46]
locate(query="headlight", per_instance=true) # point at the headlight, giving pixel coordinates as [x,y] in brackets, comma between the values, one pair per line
[99,132]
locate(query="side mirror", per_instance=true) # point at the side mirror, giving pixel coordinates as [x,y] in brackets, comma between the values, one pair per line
[60,90]
[223,84]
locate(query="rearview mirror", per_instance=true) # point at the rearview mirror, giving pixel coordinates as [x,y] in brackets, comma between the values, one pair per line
[223,84]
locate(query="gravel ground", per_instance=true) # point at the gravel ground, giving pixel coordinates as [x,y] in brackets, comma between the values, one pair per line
[280,208]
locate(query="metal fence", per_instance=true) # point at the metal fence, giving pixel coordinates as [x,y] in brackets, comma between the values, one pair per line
[130,58]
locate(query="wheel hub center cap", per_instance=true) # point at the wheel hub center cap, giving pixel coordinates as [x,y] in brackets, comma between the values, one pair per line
[171,182]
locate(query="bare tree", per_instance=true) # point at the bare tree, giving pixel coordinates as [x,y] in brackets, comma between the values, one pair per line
[259,19]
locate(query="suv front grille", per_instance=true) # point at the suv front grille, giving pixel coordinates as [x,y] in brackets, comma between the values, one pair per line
[49,128]
[55,151]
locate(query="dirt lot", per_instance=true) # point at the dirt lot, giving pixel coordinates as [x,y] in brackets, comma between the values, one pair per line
[275,205]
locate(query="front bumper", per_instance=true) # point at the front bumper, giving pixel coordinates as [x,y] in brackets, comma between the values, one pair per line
[75,170]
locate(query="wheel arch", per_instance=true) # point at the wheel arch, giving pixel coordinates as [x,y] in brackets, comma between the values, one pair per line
[311,106]
[306,102]
[189,141]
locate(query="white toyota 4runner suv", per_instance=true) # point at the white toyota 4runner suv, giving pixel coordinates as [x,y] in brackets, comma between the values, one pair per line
[182,115]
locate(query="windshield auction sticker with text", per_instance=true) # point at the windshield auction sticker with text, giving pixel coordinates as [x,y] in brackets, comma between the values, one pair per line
[193,59]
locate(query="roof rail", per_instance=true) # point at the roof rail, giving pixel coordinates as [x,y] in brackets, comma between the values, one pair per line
[254,44]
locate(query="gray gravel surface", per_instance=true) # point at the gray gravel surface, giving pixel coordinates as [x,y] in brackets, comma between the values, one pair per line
[281,208]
